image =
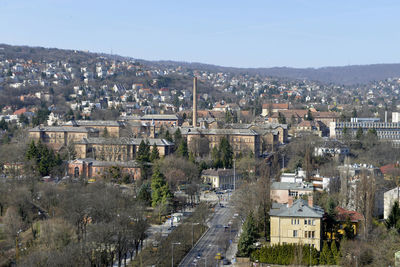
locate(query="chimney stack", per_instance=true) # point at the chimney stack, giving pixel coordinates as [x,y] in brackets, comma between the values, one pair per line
[310,201]
[195,102]
[290,201]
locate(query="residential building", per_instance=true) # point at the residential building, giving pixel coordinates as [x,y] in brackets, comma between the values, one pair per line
[389,198]
[333,148]
[158,120]
[298,222]
[274,107]
[221,178]
[282,192]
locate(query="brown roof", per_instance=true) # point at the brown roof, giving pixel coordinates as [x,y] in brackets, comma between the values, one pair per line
[276,105]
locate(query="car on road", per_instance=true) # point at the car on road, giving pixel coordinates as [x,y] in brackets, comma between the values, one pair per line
[198,255]
[225,262]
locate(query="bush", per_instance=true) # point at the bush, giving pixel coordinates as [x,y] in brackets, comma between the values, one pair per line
[286,255]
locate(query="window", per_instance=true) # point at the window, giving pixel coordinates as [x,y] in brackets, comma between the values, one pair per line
[312,234]
[76,172]
[306,234]
[294,233]
[313,222]
[309,221]
[305,221]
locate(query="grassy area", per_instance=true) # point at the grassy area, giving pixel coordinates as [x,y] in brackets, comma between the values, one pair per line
[162,255]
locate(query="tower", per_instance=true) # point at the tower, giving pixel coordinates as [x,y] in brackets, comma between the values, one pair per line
[195,102]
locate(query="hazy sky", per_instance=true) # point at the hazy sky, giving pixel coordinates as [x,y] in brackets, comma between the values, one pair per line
[298,33]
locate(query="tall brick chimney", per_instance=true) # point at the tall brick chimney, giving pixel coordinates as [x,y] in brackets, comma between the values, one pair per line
[310,201]
[195,102]
[290,201]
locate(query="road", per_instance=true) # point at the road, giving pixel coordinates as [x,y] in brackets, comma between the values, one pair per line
[214,241]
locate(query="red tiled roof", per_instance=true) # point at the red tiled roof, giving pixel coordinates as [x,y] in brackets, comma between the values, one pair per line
[20,111]
[389,168]
[343,214]
[276,105]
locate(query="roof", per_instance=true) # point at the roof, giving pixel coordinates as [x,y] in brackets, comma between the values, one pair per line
[343,214]
[217,173]
[330,143]
[159,117]
[290,186]
[124,141]
[100,163]
[390,168]
[198,131]
[276,105]
[92,123]
[299,208]
[63,129]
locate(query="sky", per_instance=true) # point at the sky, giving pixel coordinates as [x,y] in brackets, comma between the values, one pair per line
[246,33]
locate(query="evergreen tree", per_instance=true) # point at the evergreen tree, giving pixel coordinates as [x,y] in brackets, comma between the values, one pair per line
[182,150]
[32,151]
[143,154]
[393,220]
[309,116]
[215,156]
[3,124]
[155,155]
[326,256]
[177,136]
[335,253]
[248,237]
[330,221]
[160,191]
[144,193]
[359,133]
[226,153]
[168,136]
[281,118]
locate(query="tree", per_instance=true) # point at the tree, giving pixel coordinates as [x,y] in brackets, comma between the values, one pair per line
[248,237]
[182,150]
[326,257]
[155,155]
[360,133]
[309,116]
[143,152]
[335,253]
[393,220]
[160,191]
[281,118]
[168,136]
[330,219]
[226,153]
[177,136]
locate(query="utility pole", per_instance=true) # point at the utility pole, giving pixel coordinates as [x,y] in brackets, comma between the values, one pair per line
[172,247]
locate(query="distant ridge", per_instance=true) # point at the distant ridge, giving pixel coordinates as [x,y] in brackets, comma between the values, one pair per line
[346,75]
[342,75]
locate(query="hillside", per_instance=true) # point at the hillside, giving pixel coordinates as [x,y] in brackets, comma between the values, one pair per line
[346,75]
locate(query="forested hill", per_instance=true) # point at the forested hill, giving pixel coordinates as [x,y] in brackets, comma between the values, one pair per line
[346,75]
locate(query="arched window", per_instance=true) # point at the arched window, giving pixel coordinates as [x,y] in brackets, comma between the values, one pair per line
[76,172]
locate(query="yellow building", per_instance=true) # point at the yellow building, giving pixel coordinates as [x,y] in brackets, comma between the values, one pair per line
[297,222]
[118,149]
[241,140]
[57,137]
[112,128]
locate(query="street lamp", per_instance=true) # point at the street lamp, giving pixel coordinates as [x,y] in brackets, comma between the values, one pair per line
[193,224]
[234,174]
[172,247]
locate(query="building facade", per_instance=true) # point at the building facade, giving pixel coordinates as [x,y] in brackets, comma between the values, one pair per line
[57,137]
[298,222]
[241,140]
[118,149]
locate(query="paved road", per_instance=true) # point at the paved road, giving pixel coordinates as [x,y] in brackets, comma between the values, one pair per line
[212,242]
